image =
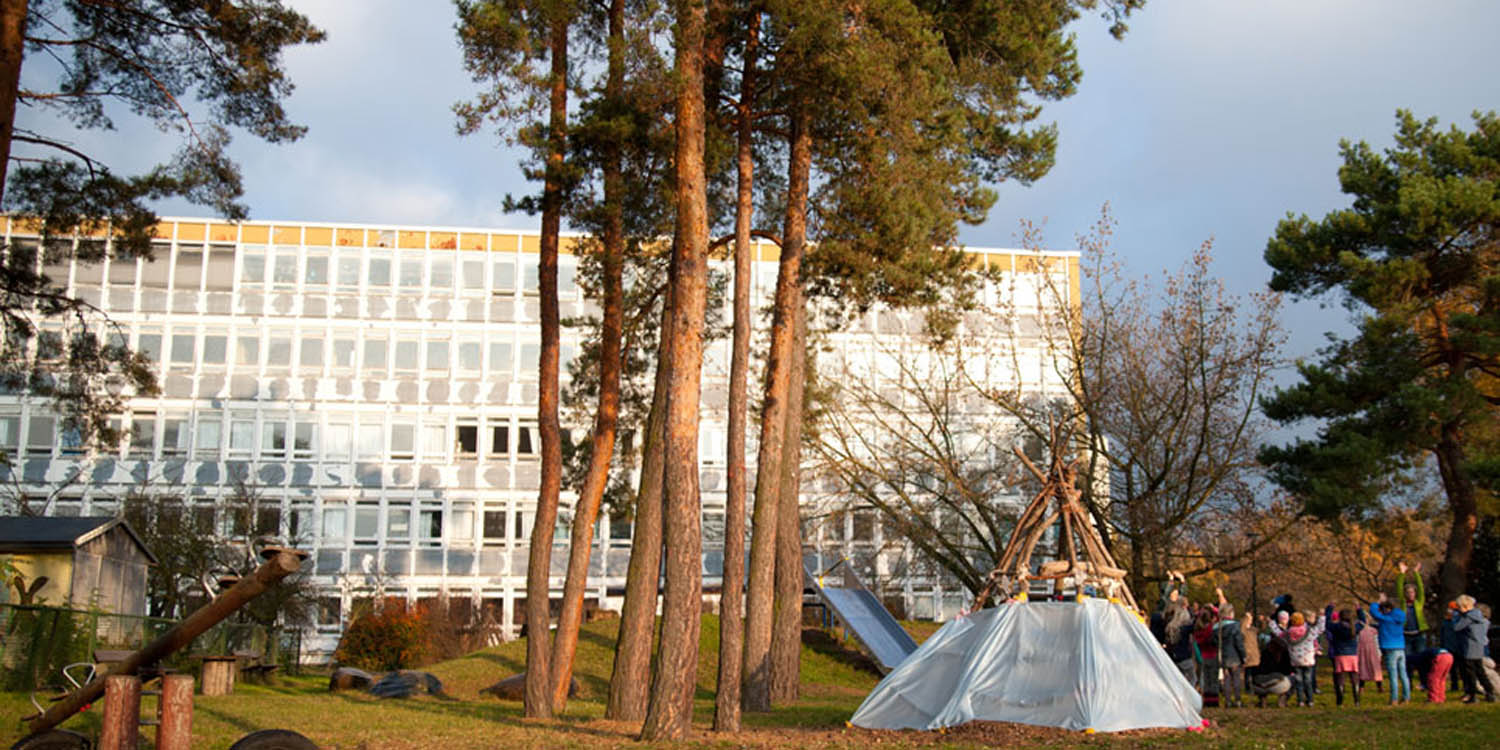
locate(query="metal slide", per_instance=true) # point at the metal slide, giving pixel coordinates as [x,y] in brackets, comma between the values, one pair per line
[864,616]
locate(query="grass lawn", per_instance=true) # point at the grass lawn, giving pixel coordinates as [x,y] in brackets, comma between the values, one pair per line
[834,683]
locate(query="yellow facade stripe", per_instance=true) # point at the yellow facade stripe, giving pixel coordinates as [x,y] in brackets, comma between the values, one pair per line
[349,237]
[443,240]
[768,251]
[163,231]
[190,231]
[254,234]
[410,239]
[288,235]
[531,243]
[320,236]
[223,233]
[380,238]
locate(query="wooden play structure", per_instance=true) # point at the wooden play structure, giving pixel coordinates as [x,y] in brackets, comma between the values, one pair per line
[1081,564]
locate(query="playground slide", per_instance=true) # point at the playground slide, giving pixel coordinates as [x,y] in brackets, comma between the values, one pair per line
[867,619]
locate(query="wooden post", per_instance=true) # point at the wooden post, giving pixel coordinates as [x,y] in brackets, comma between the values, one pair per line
[176,729]
[122,713]
[218,675]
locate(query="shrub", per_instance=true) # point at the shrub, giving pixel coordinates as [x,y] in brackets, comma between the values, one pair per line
[391,638]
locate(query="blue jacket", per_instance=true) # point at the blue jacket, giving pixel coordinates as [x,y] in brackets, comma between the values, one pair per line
[1473,634]
[1342,640]
[1450,635]
[1390,626]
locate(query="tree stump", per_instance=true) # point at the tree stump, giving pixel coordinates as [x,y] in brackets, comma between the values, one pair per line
[218,675]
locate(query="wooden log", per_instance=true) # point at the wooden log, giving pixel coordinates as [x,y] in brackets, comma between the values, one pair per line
[176,729]
[122,713]
[218,675]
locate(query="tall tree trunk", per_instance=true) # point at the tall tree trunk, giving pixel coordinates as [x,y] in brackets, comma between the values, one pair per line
[12,50]
[627,688]
[1454,577]
[732,601]
[761,598]
[669,714]
[565,643]
[786,639]
[538,700]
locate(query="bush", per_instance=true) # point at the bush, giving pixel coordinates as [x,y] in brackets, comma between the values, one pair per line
[391,638]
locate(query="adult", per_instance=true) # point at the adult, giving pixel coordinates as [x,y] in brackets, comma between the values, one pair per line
[1473,630]
[1390,622]
[1412,593]
[1272,676]
[1232,656]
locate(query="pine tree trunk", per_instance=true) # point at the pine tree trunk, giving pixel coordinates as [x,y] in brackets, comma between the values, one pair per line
[12,50]
[565,643]
[669,714]
[538,700]
[732,601]
[761,598]
[786,639]
[627,687]
[1453,579]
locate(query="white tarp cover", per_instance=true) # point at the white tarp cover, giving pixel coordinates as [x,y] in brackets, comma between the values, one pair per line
[1075,665]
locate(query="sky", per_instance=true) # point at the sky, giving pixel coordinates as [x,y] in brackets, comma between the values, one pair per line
[1211,120]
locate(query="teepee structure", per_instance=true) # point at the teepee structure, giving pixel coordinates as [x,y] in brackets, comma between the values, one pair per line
[1083,660]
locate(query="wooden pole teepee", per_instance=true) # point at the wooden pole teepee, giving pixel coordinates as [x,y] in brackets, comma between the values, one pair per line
[1082,562]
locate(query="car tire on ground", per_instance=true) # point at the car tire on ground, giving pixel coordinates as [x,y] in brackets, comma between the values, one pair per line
[274,739]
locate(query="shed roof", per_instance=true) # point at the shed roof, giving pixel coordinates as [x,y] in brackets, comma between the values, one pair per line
[42,533]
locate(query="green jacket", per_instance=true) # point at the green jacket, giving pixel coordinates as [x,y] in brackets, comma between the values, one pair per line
[1421,619]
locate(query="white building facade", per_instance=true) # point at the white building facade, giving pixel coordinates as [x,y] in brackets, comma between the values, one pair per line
[378,386]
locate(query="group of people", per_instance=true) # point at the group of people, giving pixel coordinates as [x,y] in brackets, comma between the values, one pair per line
[1276,656]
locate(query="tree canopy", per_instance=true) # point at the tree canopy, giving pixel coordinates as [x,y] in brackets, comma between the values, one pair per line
[1414,259]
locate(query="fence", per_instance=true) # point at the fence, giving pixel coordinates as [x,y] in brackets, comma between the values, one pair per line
[36,642]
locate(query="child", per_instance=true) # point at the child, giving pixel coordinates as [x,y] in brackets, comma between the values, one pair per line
[1368,653]
[1390,623]
[1343,647]
[1433,665]
[1205,637]
[1300,638]
[1473,631]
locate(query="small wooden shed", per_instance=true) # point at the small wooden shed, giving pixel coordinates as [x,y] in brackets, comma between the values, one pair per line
[94,562]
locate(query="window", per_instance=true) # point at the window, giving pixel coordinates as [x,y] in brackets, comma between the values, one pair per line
[188,275]
[154,272]
[10,435]
[122,272]
[411,272]
[247,350]
[71,441]
[565,356]
[500,358]
[302,439]
[437,355]
[371,440]
[279,350]
[366,523]
[531,275]
[175,433]
[220,276]
[273,440]
[330,612]
[49,345]
[473,277]
[469,355]
[531,360]
[182,348]
[215,348]
[500,440]
[317,270]
[494,527]
[143,433]
[312,352]
[207,442]
[380,271]
[284,273]
[338,441]
[149,344]
[406,355]
[348,271]
[343,353]
[430,525]
[398,522]
[434,442]
[468,440]
[462,527]
[335,523]
[504,276]
[440,268]
[253,267]
[403,441]
[566,286]
[525,445]
[375,354]
[241,437]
